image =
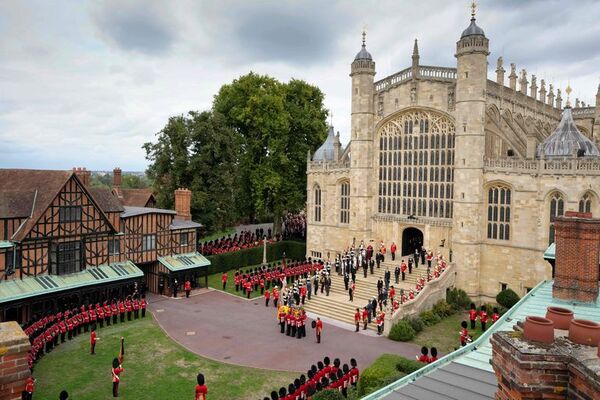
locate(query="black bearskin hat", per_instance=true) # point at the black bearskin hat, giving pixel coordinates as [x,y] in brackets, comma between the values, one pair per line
[200,379]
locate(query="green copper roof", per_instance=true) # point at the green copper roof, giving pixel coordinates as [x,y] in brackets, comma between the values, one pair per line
[479,353]
[550,252]
[18,289]
[181,262]
[4,244]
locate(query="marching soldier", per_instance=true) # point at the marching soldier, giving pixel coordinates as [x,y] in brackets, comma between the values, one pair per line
[473,315]
[114,311]
[117,369]
[93,339]
[319,329]
[267,297]
[201,389]
[129,308]
[483,317]
[136,308]
[187,286]
[365,318]
[357,319]
[143,306]
[224,280]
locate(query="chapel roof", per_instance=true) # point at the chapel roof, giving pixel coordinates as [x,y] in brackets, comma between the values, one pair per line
[472,30]
[567,140]
[326,151]
[363,54]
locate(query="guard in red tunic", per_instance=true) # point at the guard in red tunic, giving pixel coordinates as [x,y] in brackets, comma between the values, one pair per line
[495,315]
[354,372]
[357,319]
[93,339]
[63,330]
[100,314]
[29,389]
[136,308]
[483,317]
[464,334]
[393,250]
[365,318]
[473,315]
[303,293]
[107,313]
[86,320]
[267,297]
[224,280]
[403,270]
[129,307]
[117,369]
[424,358]
[122,310]
[143,306]
[201,389]
[275,296]
[434,356]
[187,286]
[319,329]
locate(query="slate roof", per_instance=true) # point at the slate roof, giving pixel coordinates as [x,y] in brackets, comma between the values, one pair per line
[326,151]
[472,30]
[183,224]
[363,54]
[469,367]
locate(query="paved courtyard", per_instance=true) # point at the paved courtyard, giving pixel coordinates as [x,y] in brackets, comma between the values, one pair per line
[225,328]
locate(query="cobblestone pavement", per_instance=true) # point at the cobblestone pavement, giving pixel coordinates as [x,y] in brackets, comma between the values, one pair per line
[229,329]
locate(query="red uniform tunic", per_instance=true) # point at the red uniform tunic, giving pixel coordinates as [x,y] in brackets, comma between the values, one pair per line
[464,336]
[472,315]
[201,391]
[115,374]
[424,358]
[187,286]
[224,277]
[483,316]
[365,315]
[357,317]
[30,385]
[93,337]
[495,317]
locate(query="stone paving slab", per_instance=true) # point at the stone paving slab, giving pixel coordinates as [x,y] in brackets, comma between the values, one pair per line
[246,333]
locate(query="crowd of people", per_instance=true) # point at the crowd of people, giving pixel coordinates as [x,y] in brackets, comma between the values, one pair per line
[241,241]
[474,315]
[294,227]
[322,376]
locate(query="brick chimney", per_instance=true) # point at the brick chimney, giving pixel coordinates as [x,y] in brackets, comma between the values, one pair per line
[83,174]
[577,257]
[117,177]
[183,204]
[14,371]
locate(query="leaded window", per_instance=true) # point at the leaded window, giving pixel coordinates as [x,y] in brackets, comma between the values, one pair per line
[317,212]
[345,203]
[585,204]
[148,242]
[498,213]
[557,208]
[424,155]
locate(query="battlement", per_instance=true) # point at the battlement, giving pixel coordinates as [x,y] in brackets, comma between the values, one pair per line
[574,166]
[426,72]
[328,166]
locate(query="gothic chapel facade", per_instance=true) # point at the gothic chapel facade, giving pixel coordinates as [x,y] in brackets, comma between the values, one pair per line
[474,168]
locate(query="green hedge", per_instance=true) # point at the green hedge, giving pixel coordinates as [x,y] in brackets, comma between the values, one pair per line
[329,394]
[408,366]
[379,374]
[253,256]
[458,299]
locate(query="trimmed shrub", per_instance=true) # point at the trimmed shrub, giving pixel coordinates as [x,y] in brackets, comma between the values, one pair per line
[443,309]
[429,318]
[329,394]
[415,322]
[402,332]
[409,366]
[507,298]
[458,299]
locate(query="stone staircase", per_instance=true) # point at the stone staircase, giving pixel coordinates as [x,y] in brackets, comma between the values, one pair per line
[337,305]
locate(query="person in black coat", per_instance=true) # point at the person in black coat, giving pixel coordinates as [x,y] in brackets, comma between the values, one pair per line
[397,274]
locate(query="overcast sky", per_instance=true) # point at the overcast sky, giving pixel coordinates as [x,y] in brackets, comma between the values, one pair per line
[86,83]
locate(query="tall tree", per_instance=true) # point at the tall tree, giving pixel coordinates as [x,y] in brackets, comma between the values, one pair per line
[197,151]
[278,123]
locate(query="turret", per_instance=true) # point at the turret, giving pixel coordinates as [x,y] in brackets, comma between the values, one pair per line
[596,128]
[472,51]
[512,78]
[361,144]
[500,71]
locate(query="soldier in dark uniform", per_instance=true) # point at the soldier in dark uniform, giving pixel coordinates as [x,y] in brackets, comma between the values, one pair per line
[372,265]
[346,281]
[397,274]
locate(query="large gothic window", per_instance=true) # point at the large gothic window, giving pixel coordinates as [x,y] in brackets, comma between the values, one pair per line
[585,204]
[345,203]
[423,156]
[557,208]
[498,213]
[317,214]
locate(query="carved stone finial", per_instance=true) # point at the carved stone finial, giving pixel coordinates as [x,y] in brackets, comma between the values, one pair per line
[512,78]
[523,81]
[500,63]
[558,99]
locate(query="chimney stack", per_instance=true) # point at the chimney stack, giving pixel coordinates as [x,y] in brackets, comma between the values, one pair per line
[577,257]
[83,174]
[117,177]
[183,204]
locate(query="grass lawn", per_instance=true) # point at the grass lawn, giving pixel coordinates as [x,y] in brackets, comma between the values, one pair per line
[217,235]
[445,334]
[155,368]
[214,281]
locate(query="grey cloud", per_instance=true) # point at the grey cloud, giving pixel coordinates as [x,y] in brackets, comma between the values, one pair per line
[137,27]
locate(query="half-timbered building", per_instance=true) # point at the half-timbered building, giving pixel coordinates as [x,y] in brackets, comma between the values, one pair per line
[64,242]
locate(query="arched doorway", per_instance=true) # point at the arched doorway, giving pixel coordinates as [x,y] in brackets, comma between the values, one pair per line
[412,238]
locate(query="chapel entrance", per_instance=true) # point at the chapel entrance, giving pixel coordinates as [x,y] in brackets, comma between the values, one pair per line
[412,238]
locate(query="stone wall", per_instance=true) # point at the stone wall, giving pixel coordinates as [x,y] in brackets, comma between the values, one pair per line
[14,370]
